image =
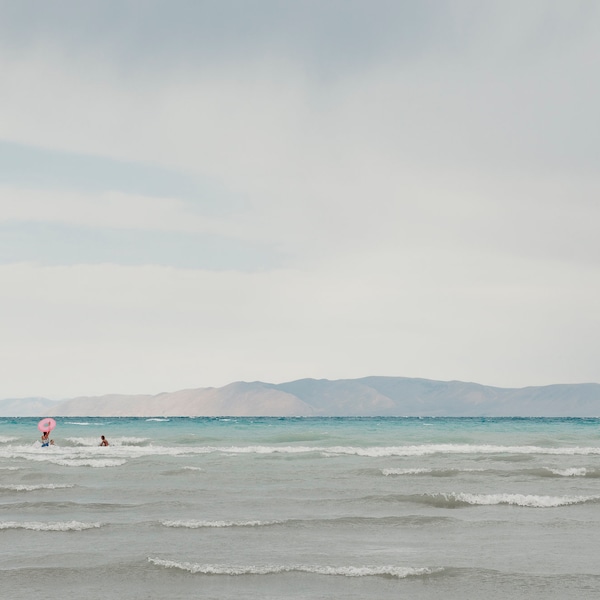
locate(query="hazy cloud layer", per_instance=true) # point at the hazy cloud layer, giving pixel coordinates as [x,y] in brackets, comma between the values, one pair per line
[193,193]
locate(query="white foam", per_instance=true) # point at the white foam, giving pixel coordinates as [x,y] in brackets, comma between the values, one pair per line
[97,463]
[388,472]
[6,439]
[52,453]
[83,441]
[528,500]
[95,441]
[268,449]
[427,449]
[127,441]
[350,571]
[422,471]
[32,488]
[421,450]
[197,524]
[137,451]
[571,472]
[49,526]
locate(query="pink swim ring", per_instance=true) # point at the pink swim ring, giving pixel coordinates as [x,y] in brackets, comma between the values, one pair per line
[46,425]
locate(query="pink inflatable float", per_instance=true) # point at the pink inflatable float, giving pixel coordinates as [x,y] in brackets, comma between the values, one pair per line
[46,425]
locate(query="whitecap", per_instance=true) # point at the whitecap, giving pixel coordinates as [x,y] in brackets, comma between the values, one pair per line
[570,472]
[96,463]
[83,441]
[198,524]
[94,441]
[33,488]
[413,450]
[348,571]
[6,439]
[427,449]
[49,526]
[54,453]
[128,441]
[527,500]
[388,472]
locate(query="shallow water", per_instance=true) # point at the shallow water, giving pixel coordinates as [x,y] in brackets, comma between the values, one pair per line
[301,508]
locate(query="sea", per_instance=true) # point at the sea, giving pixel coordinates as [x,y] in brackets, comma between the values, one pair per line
[290,508]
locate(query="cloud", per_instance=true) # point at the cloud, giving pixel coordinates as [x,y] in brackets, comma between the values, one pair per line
[408,189]
[111,209]
[93,329]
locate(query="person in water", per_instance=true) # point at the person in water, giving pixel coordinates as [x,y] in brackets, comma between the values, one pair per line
[103,441]
[46,441]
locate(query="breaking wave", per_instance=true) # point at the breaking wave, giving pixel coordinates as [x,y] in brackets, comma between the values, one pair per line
[350,571]
[92,462]
[5,439]
[118,441]
[455,500]
[574,472]
[427,471]
[198,524]
[49,526]
[388,451]
[388,472]
[32,488]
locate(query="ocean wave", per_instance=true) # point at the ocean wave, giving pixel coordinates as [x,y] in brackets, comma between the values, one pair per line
[413,450]
[6,439]
[388,472]
[427,449]
[141,447]
[350,571]
[71,457]
[181,470]
[120,441]
[573,472]
[538,472]
[428,471]
[266,449]
[371,522]
[526,500]
[49,526]
[129,441]
[356,521]
[32,488]
[87,423]
[198,524]
[96,463]
[69,506]
[53,453]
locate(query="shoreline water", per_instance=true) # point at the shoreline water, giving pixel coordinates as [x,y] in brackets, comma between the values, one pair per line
[333,507]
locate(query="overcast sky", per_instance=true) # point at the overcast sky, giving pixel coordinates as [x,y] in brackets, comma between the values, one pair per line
[194,193]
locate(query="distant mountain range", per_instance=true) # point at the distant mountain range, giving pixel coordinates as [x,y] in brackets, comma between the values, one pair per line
[368,396]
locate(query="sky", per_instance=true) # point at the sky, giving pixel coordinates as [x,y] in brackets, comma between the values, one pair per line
[196,192]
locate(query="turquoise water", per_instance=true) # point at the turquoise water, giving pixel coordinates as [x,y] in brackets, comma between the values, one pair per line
[301,508]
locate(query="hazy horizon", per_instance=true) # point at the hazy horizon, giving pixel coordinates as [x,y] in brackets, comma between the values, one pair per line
[197,193]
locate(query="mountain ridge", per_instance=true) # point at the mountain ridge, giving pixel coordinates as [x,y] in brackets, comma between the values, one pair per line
[361,397]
